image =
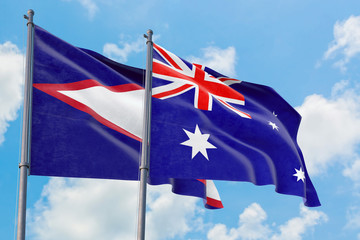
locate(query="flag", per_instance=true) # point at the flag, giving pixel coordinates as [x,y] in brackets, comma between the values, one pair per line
[208,126]
[87,114]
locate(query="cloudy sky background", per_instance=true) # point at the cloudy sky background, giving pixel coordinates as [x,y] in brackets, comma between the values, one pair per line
[308,52]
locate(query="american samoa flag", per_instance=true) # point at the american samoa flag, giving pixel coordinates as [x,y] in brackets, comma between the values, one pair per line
[87,118]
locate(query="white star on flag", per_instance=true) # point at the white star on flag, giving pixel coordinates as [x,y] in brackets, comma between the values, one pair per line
[299,174]
[274,126]
[198,142]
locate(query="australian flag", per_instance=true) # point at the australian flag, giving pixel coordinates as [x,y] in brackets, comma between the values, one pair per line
[206,125]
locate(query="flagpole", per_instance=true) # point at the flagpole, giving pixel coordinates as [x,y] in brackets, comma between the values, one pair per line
[25,144]
[145,152]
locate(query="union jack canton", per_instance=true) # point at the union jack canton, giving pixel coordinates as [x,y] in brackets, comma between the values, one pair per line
[185,76]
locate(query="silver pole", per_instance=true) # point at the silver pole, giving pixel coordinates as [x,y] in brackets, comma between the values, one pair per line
[145,152]
[25,144]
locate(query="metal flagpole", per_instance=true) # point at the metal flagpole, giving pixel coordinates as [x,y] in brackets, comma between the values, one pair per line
[145,152]
[25,144]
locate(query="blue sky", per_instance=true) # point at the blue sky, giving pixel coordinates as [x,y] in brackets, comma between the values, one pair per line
[308,51]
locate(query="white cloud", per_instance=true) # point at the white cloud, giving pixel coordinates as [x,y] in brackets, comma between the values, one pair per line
[353,172]
[298,226]
[112,50]
[220,232]
[252,226]
[104,209]
[11,82]
[221,60]
[330,128]
[353,218]
[251,223]
[85,209]
[346,41]
[90,6]
[170,215]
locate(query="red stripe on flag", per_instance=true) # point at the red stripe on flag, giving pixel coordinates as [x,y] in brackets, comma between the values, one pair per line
[167,57]
[214,203]
[172,92]
[202,180]
[235,109]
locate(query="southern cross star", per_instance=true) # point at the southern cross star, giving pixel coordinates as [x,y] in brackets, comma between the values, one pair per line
[299,174]
[274,126]
[198,142]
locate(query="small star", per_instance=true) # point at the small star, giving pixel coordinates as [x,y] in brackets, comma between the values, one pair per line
[198,142]
[274,126]
[299,174]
